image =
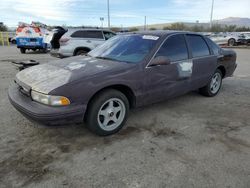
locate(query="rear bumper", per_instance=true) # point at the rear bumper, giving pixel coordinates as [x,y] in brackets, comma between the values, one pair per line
[31,47]
[45,114]
[230,70]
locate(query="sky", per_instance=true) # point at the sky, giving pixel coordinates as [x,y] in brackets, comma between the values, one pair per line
[123,13]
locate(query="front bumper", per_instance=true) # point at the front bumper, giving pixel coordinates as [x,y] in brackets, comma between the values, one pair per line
[45,114]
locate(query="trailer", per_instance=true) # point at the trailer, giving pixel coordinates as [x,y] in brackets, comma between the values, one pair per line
[31,37]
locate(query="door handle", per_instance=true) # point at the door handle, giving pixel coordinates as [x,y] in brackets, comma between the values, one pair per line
[88,41]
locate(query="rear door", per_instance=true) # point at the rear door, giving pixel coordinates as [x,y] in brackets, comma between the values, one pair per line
[204,62]
[164,81]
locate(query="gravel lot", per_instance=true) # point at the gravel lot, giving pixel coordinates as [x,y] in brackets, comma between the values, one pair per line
[189,141]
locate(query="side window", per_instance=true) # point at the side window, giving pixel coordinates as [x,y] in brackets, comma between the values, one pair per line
[198,46]
[77,34]
[94,34]
[174,48]
[108,35]
[87,34]
[215,48]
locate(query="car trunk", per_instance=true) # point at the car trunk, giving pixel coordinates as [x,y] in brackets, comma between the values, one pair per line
[59,32]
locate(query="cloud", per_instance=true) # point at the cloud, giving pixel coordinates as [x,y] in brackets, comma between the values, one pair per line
[46,9]
[126,12]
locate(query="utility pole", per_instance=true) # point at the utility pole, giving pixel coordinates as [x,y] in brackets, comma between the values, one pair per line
[145,23]
[211,16]
[108,14]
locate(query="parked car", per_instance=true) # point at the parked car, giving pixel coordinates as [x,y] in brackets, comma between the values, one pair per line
[127,71]
[246,36]
[230,39]
[66,43]
[12,40]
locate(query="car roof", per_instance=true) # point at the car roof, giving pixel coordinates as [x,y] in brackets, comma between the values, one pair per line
[161,33]
[87,29]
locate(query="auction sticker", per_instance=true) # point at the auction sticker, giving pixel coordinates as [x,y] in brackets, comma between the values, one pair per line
[150,37]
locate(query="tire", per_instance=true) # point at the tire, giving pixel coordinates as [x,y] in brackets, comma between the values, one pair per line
[213,87]
[13,41]
[33,50]
[44,50]
[231,42]
[22,50]
[107,112]
[81,52]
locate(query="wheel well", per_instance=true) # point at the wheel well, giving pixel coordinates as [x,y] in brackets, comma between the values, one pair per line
[122,88]
[223,70]
[81,48]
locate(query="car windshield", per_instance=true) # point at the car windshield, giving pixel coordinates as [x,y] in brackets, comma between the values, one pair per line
[125,48]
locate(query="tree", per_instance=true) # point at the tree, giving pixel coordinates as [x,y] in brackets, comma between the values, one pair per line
[176,26]
[115,29]
[242,29]
[216,28]
[3,27]
[152,28]
[133,29]
[197,28]
[229,28]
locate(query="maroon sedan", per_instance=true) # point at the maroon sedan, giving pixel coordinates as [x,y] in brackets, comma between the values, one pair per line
[127,71]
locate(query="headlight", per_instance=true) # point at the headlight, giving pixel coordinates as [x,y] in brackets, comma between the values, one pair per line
[49,99]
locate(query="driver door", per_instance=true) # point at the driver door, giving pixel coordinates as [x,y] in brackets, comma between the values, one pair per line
[168,80]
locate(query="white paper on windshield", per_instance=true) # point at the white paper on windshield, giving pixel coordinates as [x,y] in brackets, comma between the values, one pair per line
[150,37]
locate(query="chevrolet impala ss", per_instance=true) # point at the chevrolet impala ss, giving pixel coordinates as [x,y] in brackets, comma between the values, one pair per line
[127,71]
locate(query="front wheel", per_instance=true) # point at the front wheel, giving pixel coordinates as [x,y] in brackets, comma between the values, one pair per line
[81,52]
[22,50]
[107,112]
[213,87]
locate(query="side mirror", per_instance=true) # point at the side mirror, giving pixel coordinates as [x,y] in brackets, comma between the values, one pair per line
[160,60]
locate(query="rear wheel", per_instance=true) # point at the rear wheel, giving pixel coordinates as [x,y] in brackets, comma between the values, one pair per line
[22,50]
[213,87]
[231,42]
[107,112]
[81,52]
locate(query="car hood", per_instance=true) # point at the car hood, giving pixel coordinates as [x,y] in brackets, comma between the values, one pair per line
[47,77]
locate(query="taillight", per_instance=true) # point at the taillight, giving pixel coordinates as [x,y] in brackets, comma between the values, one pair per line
[37,29]
[19,29]
[63,40]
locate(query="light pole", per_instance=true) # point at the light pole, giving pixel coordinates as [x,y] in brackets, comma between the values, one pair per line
[102,19]
[211,16]
[108,14]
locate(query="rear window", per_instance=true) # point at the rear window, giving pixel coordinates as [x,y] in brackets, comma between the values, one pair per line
[198,46]
[108,35]
[87,34]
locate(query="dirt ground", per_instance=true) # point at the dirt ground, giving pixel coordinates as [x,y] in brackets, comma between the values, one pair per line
[189,141]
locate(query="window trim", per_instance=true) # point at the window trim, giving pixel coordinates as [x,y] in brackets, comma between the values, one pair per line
[190,49]
[172,62]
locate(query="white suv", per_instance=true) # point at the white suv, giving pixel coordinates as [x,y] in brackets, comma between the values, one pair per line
[66,43]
